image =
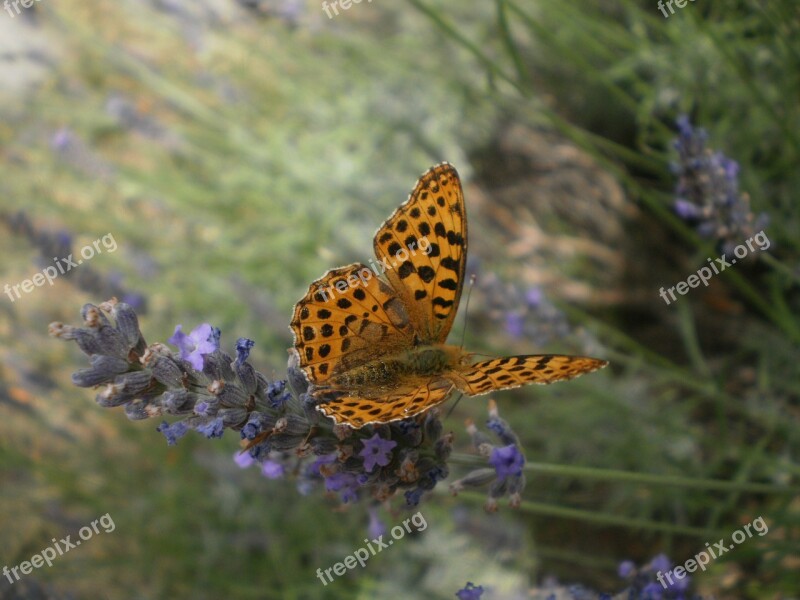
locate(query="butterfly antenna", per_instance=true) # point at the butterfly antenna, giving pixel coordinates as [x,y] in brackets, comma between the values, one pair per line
[463,335]
[466,312]
[453,407]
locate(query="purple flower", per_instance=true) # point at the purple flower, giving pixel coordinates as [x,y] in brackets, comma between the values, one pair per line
[277,393]
[328,459]
[685,209]
[507,461]
[626,569]
[707,189]
[684,126]
[173,432]
[470,592]
[61,139]
[272,470]
[653,591]
[376,527]
[731,168]
[515,324]
[256,424]
[661,562]
[680,585]
[243,459]
[243,346]
[534,297]
[212,429]
[195,345]
[413,497]
[506,478]
[502,429]
[345,483]
[377,451]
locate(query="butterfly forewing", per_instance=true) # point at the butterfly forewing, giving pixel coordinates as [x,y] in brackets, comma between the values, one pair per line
[429,280]
[515,371]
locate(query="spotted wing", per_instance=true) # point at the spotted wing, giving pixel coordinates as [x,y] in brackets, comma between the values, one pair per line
[425,243]
[347,318]
[514,371]
[394,406]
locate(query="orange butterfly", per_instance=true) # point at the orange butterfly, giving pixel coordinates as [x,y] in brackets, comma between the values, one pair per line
[375,351]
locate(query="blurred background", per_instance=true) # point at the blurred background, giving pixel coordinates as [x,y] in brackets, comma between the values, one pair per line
[235,151]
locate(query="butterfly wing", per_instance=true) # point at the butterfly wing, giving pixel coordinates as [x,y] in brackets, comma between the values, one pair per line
[347,318]
[425,244]
[514,371]
[413,399]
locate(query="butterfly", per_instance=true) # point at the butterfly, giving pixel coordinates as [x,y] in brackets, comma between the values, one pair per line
[374,349]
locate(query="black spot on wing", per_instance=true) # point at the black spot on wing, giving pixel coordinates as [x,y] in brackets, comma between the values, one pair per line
[406,269]
[426,273]
[448,262]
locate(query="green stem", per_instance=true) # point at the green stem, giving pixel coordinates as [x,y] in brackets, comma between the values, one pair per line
[576,514]
[456,35]
[615,475]
[690,341]
[781,268]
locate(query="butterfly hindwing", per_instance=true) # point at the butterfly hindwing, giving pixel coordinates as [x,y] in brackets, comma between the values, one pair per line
[346,318]
[399,404]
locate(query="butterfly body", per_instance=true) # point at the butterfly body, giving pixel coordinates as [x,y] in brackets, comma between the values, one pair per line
[393,371]
[433,360]
[374,348]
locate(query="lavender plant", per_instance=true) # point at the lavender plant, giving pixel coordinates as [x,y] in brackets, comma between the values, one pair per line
[707,190]
[209,392]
